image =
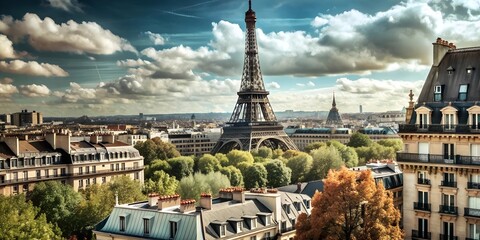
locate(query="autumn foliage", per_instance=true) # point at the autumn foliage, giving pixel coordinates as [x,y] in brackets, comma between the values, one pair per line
[351,206]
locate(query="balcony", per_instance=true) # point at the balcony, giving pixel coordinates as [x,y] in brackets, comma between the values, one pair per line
[448,209]
[437,159]
[448,237]
[423,181]
[472,212]
[449,184]
[473,185]
[438,128]
[422,206]
[421,235]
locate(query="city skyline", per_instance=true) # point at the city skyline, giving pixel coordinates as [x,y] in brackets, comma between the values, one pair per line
[72,58]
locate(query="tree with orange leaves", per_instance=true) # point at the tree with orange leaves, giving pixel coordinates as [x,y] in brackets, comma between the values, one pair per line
[351,206]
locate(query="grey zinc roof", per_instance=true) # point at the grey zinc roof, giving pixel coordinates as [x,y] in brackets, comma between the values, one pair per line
[189,225]
[233,210]
[459,60]
[289,199]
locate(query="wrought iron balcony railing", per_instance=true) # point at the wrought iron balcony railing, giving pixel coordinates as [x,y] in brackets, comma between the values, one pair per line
[421,234]
[447,209]
[448,184]
[438,159]
[448,237]
[473,185]
[438,128]
[472,212]
[423,181]
[422,206]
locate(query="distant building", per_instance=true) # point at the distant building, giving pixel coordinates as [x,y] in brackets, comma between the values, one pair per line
[235,214]
[131,139]
[334,118]
[25,118]
[194,142]
[60,157]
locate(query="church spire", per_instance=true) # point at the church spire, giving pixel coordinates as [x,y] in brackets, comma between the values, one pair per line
[334,105]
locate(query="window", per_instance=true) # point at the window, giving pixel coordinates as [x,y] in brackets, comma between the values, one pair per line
[254,223]
[448,177]
[46,173]
[462,92]
[80,170]
[448,202]
[146,226]
[55,172]
[94,180]
[267,220]
[449,151]
[239,227]
[63,171]
[424,120]
[287,208]
[474,202]
[422,227]
[267,235]
[25,188]
[474,231]
[450,70]
[94,169]
[117,166]
[123,166]
[223,230]
[87,169]
[122,224]
[136,176]
[15,176]
[25,175]
[253,238]
[437,97]
[80,183]
[87,182]
[448,230]
[448,121]
[104,180]
[15,189]
[422,177]
[38,174]
[173,229]
[112,168]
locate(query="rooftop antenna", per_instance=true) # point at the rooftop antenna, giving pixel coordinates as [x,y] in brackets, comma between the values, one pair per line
[249,4]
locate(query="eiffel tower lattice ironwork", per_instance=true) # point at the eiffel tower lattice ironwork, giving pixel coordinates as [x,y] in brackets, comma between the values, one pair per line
[253,123]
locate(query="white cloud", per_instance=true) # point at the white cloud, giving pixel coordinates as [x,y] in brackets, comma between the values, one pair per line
[66,5]
[6,48]
[156,38]
[34,90]
[32,68]
[311,84]
[273,85]
[469,4]
[46,35]
[7,90]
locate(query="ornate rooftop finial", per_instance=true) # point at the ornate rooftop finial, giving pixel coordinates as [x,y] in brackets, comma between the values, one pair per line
[411,95]
[334,104]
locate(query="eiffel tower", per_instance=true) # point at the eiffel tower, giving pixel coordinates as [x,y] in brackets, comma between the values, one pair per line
[253,123]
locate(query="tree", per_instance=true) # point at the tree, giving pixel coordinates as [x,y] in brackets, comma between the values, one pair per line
[180,167]
[263,152]
[348,154]
[156,165]
[222,158]
[300,165]
[155,148]
[127,189]
[359,140]
[277,173]
[396,144]
[255,176]
[19,219]
[194,185]
[59,204]
[161,183]
[208,163]
[324,159]
[291,153]
[236,156]
[313,146]
[375,152]
[350,207]
[277,153]
[234,175]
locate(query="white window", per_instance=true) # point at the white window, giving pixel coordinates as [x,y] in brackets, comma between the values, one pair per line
[475,120]
[438,93]
[254,223]
[449,121]
[448,199]
[423,151]
[223,229]
[239,227]
[474,231]
[424,120]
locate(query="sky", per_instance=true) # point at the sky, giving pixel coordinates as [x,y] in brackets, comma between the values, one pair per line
[99,57]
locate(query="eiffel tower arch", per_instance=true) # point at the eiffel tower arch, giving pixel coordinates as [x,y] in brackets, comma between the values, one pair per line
[253,123]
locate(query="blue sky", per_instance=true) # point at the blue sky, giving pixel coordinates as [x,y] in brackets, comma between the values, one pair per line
[73,58]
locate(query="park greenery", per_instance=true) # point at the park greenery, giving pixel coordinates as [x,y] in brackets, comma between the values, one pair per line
[53,210]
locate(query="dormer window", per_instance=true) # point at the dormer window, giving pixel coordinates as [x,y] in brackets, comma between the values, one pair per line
[287,208]
[239,227]
[122,224]
[469,69]
[254,223]
[462,92]
[297,205]
[450,70]
[173,229]
[223,230]
[437,97]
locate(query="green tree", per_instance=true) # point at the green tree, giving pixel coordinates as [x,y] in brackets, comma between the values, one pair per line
[348,154]
[236,157]
[263,152]
[222,158]
[19,219]
[375,152]
[277,153]
[313,146]
[234,175]
[351,206]
[155,148]
[128,190]
[192,186]
[300,165]
[161,183]
[291,153]
[396,144]
[59,204]
[359,140]
[255,176]
[180,167]
[277,173]
[208,163]
[156,165]
[324,159]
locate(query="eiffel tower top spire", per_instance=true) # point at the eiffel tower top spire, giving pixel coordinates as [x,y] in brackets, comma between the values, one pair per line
[334,105]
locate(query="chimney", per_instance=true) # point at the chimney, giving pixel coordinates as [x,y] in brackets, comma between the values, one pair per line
[238,195]
[12,143]
[206,201]
[51,139]
[187,205]
[168,201]
[440,48]
[152,199]
[94,138]
[226,193]
[109,138]
[299,187]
